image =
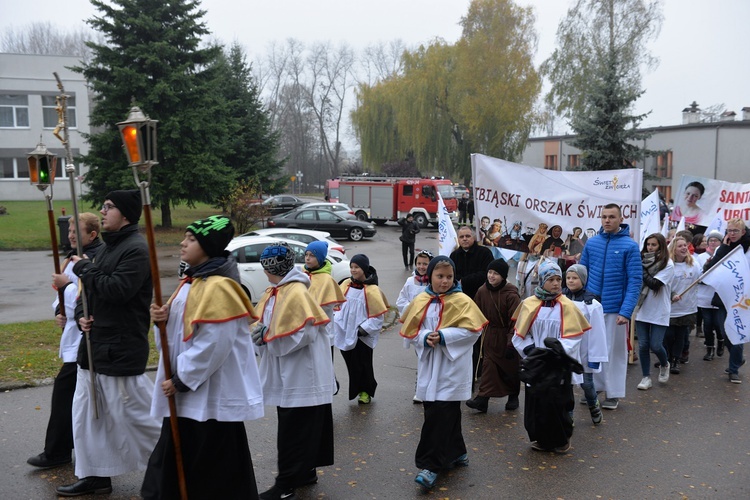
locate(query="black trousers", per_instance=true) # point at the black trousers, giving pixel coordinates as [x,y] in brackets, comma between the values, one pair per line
[216,460]
[407,251]
[304,441]
[59,440]
[361,373]
[441,441]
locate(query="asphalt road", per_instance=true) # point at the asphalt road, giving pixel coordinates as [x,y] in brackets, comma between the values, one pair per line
[687,439]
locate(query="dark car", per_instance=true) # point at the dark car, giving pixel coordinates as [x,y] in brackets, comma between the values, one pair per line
[324,220]
[281,203]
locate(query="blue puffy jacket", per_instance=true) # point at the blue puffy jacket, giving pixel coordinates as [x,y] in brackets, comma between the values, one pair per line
[615,271]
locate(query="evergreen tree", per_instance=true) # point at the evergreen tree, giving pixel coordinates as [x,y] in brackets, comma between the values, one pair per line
[606,131]
[152,55]
[253,147]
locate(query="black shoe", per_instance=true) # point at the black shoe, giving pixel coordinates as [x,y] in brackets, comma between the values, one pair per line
[512,403]
[674,367]
[44,462]
[276,493]
[312,478]
[709,354]
[91,485]
[720,348]
[479,403]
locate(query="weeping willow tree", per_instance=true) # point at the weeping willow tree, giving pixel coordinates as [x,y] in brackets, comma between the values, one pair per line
[451,100]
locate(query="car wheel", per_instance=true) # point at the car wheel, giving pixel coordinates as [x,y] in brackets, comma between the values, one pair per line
[421,220]
[361,216]
[356,234]
[249,295]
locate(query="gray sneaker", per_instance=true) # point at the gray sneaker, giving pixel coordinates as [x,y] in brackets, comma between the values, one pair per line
[664,374]
[734,378]
[610,403]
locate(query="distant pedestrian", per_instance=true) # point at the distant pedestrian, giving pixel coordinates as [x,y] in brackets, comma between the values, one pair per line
[463,209]
[58,443]
[713,326]
[443,324]
[470,210]
[409,230]
[357,327]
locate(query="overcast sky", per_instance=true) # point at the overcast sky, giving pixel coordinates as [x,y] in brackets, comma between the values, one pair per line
[703,46]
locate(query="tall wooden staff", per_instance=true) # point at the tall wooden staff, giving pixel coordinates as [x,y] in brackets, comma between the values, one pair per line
[139,139]
[70,169]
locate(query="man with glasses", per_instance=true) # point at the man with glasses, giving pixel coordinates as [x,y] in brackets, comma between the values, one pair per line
[615,274]
[117,283]
[736,235]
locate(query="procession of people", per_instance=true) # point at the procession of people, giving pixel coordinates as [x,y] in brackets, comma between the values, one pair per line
[566,323]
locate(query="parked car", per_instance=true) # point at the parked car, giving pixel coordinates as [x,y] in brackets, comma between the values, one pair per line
[324,220]
[305,236]
[282,203]
[247,251]
[460,190]
[338,208]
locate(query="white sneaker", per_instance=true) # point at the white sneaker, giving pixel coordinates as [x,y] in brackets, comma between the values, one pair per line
[645,383]
[664,374]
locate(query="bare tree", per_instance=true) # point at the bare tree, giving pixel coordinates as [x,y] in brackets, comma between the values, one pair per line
[381,61]
[330,79]
[47,39]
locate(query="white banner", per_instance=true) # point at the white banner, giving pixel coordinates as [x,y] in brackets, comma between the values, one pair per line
[700,199]
[650,221]
[550,212]
[447,238]
[731,280]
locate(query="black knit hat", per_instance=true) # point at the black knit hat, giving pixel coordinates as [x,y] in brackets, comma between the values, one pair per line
[500,267]
[361,261]
[128,202]
[213,234]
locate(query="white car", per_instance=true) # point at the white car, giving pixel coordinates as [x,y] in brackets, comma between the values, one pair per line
[247,251]
[305,236]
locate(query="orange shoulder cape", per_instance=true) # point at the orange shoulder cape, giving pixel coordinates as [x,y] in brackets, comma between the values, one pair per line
[216,299]
[572,321]
[375,299]
[293,308]
[457,310]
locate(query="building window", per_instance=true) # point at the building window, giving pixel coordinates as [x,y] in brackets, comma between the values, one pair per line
[550,162]
[6,168]
[664,165]
[49,111]
[574,161]
[14,111]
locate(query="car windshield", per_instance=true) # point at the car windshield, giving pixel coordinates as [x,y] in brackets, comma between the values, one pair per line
[446,191]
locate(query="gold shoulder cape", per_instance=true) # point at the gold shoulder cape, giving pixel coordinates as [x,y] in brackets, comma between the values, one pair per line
[293,308]
[375,300]
[216,299]
[324,289]
[572,324]
[457,310]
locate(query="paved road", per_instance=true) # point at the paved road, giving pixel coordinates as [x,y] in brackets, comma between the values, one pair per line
[688,439]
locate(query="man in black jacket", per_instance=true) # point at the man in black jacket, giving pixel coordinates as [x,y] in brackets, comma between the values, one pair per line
[409,230]
[118,288]
[736,235]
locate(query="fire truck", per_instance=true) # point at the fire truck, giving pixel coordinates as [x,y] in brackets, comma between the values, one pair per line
[382,199]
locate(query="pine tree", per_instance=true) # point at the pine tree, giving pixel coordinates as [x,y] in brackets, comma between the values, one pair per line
[605,129]
[152,57]
[253,147]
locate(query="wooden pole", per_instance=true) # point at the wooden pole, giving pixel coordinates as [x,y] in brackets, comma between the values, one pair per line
[70,171]
[55,251]
[156,281]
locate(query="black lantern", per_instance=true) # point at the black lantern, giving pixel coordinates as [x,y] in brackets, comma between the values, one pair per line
[138,133]
[42,166]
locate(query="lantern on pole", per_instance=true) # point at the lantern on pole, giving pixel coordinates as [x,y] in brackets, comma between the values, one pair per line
[42,166]
[138,133]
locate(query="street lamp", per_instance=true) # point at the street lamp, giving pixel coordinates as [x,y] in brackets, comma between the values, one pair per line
[138,134]
[42,166]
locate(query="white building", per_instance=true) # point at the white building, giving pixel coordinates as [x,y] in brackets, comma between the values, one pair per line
[27,111]
[716,150]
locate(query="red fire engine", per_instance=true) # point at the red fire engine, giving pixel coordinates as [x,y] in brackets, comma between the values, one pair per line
[381,199]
